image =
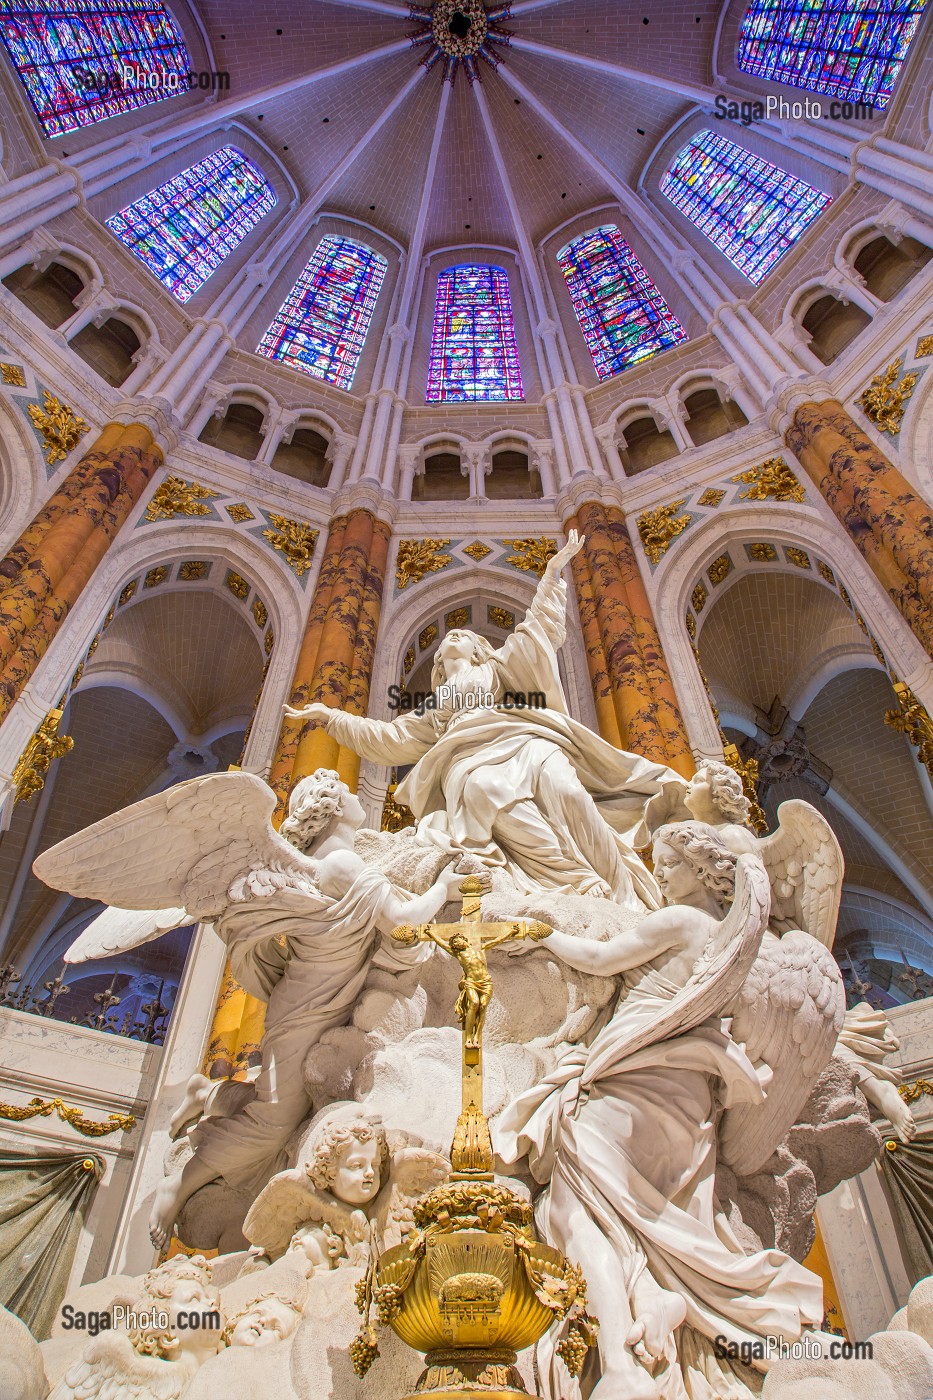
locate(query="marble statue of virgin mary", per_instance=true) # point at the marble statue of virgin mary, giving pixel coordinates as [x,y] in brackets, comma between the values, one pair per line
[524,788]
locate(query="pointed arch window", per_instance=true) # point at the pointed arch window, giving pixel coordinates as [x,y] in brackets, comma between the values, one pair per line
[852,49]
[753,211]
[71,56]
[322,324]
[474,356]
[184,229]
[622,315]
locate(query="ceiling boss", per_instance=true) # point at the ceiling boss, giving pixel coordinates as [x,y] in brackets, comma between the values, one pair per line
[459,32]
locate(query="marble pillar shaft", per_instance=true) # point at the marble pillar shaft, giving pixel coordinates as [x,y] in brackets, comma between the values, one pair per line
[596,662]
[888,522]
[646,704]
[336,658]
[44,573]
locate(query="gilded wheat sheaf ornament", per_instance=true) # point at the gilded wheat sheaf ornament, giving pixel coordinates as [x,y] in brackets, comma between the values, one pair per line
[773,480]
[418,558]
[60,426]
[175,496]
[660,527]
[884,402]
[293,538]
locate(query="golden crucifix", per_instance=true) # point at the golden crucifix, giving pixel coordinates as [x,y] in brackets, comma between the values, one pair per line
[468,941]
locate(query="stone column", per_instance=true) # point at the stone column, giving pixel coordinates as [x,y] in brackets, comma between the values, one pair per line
[624,654]
[889,523]
[42,575]
[335,661]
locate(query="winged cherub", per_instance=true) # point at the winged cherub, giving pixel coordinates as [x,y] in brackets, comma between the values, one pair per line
[524,788]
[623,1131]
[299,912]
[349,1192]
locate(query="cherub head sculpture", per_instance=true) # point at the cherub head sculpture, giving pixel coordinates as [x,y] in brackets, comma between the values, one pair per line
[718,786]
[348,1157]
[315,804]
[460,644]
[271,1316]
[687,854]
[181,1284]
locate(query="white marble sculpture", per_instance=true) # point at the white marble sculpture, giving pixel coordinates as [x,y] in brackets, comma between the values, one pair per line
[151,1358]
[644,1220]
[348,1193]
[530,790]
[660,1034]
[299,912]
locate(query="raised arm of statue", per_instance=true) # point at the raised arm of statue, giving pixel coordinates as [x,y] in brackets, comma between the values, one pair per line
[402,740]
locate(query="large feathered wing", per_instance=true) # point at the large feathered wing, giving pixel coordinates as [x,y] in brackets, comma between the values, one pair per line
[788,1016]
[414,1171]
[185,847]
[805,866]
[716,979]
[118,930]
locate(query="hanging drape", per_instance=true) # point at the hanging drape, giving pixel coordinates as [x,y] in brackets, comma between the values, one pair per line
[907,1169]
[43,1203]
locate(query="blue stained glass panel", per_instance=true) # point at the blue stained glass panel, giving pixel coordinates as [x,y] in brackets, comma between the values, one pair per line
[852,49]
[69,56]
[751,210]
[322,325]
[185,228]
[474,357]
[622,315]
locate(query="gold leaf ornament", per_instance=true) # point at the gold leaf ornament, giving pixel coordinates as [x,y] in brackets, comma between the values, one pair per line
[295,539]
[659,528]
[175,496]
[772,480]
[60,426]
[418,558]
[884,402]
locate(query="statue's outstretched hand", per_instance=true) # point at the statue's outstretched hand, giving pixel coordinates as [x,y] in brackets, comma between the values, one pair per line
[563,556]
[316,712]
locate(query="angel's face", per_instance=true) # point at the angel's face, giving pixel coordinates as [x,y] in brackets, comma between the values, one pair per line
[351,808]
[356,1178]
[674,876]
[699,795]
[267,1321]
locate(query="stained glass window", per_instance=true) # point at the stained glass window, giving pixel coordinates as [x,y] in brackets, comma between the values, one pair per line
[622,315]
[752,210]
[474,357]
[74,57]
[185,228]
[852,49]
[321,326]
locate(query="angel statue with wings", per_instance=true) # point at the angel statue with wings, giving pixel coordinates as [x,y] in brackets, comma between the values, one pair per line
[526,789]
[300,915]
[625,1133]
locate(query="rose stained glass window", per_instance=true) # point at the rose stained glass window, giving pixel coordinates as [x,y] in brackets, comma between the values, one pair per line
[852,49]
[70,56]
[622,315]
[321,326]
[184,229]
[751,210]
[474,357]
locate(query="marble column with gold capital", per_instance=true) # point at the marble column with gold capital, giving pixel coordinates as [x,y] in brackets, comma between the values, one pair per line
[636,705]
[43,574]
[888,522]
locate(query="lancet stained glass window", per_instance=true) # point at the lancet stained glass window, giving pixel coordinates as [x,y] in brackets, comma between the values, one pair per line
[185,228]
[474,357]
[322,325]
[752,210]
[622,315]
[852,49]
[70,57]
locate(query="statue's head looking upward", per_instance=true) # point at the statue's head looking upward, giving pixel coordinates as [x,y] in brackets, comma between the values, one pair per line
[350,1161]
[459,645]
[691,855]
[315,805]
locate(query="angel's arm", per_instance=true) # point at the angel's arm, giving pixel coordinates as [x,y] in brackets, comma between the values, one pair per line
[656,934]
[401,740]
[418,909]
